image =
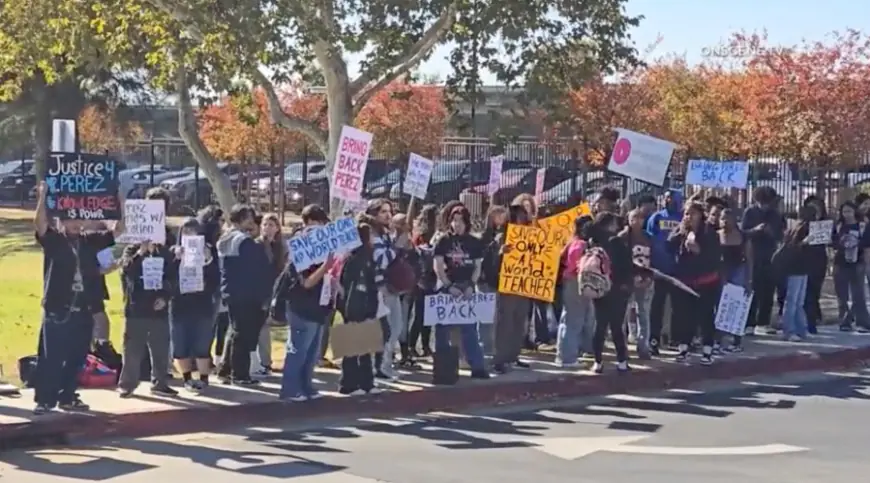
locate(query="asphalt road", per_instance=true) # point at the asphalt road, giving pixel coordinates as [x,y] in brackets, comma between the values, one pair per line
[803,428]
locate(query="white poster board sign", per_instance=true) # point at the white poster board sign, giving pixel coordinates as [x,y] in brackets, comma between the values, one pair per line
[539,183]
[821,232]
[641,157]
[417,179]
[717,174]
[445,309]
[63,136]
[144,221]
[495,170]
[350,164]
[190,273]
[733,309]
[152,273]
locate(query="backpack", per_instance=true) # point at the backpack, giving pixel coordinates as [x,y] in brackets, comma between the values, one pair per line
[593,273]
[401,276]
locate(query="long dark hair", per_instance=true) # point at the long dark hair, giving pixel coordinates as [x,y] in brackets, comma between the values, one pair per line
[427,222]
[598,232]
[276,249]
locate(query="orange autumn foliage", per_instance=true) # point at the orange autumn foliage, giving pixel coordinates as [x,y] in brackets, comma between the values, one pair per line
[239,127]
[405,118]
[100,130]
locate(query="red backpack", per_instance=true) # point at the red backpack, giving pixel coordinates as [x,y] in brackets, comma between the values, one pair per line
[593,273]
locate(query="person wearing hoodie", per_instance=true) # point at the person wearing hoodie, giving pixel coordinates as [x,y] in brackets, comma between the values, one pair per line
[245,291]
[764,226]
[659,227]
[698,265]
[191,312]
[817,258]
[639,242]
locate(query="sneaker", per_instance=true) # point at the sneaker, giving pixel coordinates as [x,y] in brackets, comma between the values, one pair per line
[623,366]
[76,405]
[863,330]
[374,391]
[845,327]
[682,356]
[707,359]
[795,338]
[521,365]
[597,368]
[717,350]
[245,382]
[41,409]
[315,395]
[193,386]
[297,398]
[760,331]
[124,393]
[163,390]
[262,372]
[770,330]
[357,393]
[480,374]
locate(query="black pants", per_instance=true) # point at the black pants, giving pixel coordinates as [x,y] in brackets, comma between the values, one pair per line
[542,327]
[661,291]
[764,286]
[693,315]
[220,332]
[418,331]
[356,373]
[813,308]
[64,340]
[246,320]
[610,314]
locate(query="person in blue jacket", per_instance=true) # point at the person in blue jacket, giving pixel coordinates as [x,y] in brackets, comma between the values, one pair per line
[659,227]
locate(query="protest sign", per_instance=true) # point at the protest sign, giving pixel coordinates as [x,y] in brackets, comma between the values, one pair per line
[313,245]
[152,273]
[539,183]
[82,187]
[417,179]
[445,309]
[717,174]
[733,309]
[356,338]
[561,226]
[193,250]
[63,136]
[641,157]
[495,169]
[530,265]
[144,221]
[350,163]
[821,232]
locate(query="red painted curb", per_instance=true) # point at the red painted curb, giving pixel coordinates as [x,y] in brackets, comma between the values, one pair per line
[85,427]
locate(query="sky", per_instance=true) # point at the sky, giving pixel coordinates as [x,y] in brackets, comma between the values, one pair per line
[688,26]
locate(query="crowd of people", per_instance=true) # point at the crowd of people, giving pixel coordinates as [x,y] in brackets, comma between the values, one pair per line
[250,283]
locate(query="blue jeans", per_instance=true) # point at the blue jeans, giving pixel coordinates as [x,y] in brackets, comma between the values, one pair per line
[794,317]
[849,281]
[470,340]
[576,325]
[64,340]
[303,350]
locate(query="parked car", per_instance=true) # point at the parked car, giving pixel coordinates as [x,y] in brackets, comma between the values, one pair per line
[523,180]
[380,187]
[17,178]
[139,181]
[186,192]
[449,178]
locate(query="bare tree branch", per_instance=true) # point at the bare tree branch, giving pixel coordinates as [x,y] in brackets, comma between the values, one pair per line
[309,128]
[366,85]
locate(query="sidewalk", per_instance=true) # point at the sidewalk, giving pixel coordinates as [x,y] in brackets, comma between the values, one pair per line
[220,406]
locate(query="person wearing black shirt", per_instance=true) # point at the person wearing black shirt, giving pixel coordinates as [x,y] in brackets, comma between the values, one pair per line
[850,240]
[764,226]
[70,273]
[458,257]
[511,311]
[817,259]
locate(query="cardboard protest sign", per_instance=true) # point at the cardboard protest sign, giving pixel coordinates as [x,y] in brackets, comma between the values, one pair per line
[821,232]
[561,226]
[417,179]
[313,246]
[445,309]
[495,170]
[641,157]
[144,221]
[82,187]
[530,264]
[733,309]
[356,338]
[717,174]
[350,164]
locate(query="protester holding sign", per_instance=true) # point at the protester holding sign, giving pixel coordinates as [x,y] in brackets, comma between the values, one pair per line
[149,280]
[817,259]
[71,272]
[698,263]
[794,250]
[458,257]
[736,261]
[850,240]
[246,292]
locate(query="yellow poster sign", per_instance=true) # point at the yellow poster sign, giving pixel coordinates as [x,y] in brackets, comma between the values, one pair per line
[530,264]
[561,226]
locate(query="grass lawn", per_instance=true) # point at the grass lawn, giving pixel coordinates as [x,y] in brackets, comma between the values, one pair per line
[21,293]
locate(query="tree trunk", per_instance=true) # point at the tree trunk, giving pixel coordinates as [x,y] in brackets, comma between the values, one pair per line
[41,127]
[188,129]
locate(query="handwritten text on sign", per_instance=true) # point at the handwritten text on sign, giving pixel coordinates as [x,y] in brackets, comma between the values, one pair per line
[82,187]
[495,170]
[529,267]
[717,174]
[445,309]
[821,232]
[350,163]
[733,309]
[561,226]
[144,221]
[314,245]
[417,179]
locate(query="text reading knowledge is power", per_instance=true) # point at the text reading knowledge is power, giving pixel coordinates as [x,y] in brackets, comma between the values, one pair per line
[82,187]
[313,246]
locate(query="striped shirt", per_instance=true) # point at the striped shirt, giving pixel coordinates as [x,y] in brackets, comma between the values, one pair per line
[383,256]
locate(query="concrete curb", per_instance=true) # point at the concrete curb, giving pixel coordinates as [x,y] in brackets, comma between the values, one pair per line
[87,427]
